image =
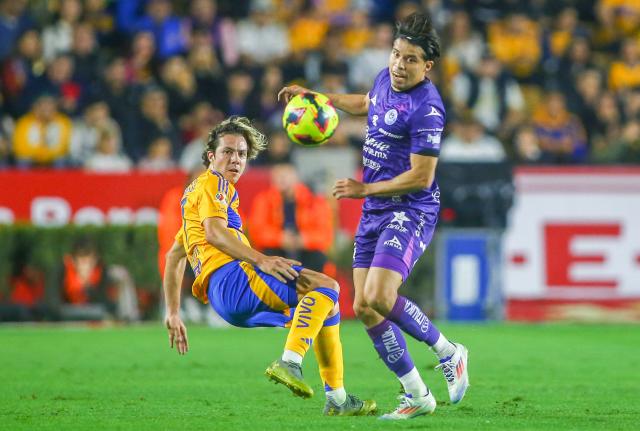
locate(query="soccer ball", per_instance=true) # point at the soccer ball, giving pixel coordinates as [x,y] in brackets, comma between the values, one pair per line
[310,119]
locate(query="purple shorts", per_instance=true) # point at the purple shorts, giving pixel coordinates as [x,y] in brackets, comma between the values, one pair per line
[393,239]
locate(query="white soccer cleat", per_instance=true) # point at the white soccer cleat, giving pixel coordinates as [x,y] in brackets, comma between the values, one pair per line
[454,369]
[412,407]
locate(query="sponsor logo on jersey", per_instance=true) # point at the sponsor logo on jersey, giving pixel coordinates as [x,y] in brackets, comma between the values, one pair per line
[394,242]
[398,222]
[390,117]
[374,120]
[434,139]
[389,134]
[434,111]
[394,351]
[368,163]
[436,196]
[436,129]
[417,315]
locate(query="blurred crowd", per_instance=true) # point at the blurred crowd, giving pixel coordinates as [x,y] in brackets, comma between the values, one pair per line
[117,85]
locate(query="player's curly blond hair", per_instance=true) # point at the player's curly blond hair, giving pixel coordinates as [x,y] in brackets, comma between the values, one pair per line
[236,125]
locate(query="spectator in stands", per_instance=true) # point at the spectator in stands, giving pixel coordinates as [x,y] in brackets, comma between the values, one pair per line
[85,54]
[308,30]
[141,66]
[169,31]
[42,136]
[85,283]
[220,31]
[20,70]
[515,41]
[494,98]
[208,72]
[93,291]
[469,143]
[609,121]
[86,131]
[465,45]
[158,157]
[240,88]
[588,91]
[270,109]
[289,220]
[260,38]
[203,118]
[122,98]
[277,152]
[107,156]
[365,64]
[614,150]
[26,298]
[58,80]
[180,84]
[567,30]
[561,135]
[154,122]
[527,146]
[358,32]
[58,38]
[577,60]
[625,74]
[14,20]
[102,21]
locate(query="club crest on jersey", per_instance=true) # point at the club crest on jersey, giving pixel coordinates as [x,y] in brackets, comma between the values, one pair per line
[390,117]
[434,111]
[221,198]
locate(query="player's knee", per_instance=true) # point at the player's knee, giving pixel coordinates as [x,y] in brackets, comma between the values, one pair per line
[377,300]
[332,284]
[361,309]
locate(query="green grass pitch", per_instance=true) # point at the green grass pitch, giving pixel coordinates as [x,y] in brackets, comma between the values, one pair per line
[544,377]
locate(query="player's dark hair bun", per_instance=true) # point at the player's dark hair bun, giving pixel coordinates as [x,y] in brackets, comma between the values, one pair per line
[417,28]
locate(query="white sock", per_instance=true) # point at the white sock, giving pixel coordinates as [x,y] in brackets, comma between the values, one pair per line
[443,347]
[291,356]
[413,384]
[338,396]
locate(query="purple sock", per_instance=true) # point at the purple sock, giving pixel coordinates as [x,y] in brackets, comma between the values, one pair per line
[413,321]
[391,346]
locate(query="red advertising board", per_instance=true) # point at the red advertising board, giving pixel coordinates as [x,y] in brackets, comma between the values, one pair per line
[572,248]
[58,197]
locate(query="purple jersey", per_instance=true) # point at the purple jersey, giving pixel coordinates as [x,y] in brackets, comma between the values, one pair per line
[400,124]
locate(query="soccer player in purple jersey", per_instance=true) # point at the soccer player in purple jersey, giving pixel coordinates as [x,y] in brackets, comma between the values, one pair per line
[406,118]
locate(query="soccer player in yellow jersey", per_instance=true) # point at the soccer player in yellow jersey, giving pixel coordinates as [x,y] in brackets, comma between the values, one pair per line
[247,288]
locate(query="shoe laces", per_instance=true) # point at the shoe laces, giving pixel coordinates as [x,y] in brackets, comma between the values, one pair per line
[405,402]
[448,369]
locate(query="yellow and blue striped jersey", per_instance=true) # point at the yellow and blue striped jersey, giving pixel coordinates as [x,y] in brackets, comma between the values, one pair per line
[209,195]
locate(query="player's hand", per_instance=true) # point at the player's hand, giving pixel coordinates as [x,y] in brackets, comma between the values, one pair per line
[349,188]
[279,267]
[177,333]
[288,92]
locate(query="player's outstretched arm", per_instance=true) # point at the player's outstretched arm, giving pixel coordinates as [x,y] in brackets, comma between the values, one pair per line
[419,177]
[223,239]
[354,104]
[173,272]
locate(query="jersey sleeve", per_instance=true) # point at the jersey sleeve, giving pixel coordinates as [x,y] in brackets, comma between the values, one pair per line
[179,237]
[214,201]
[427,124]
